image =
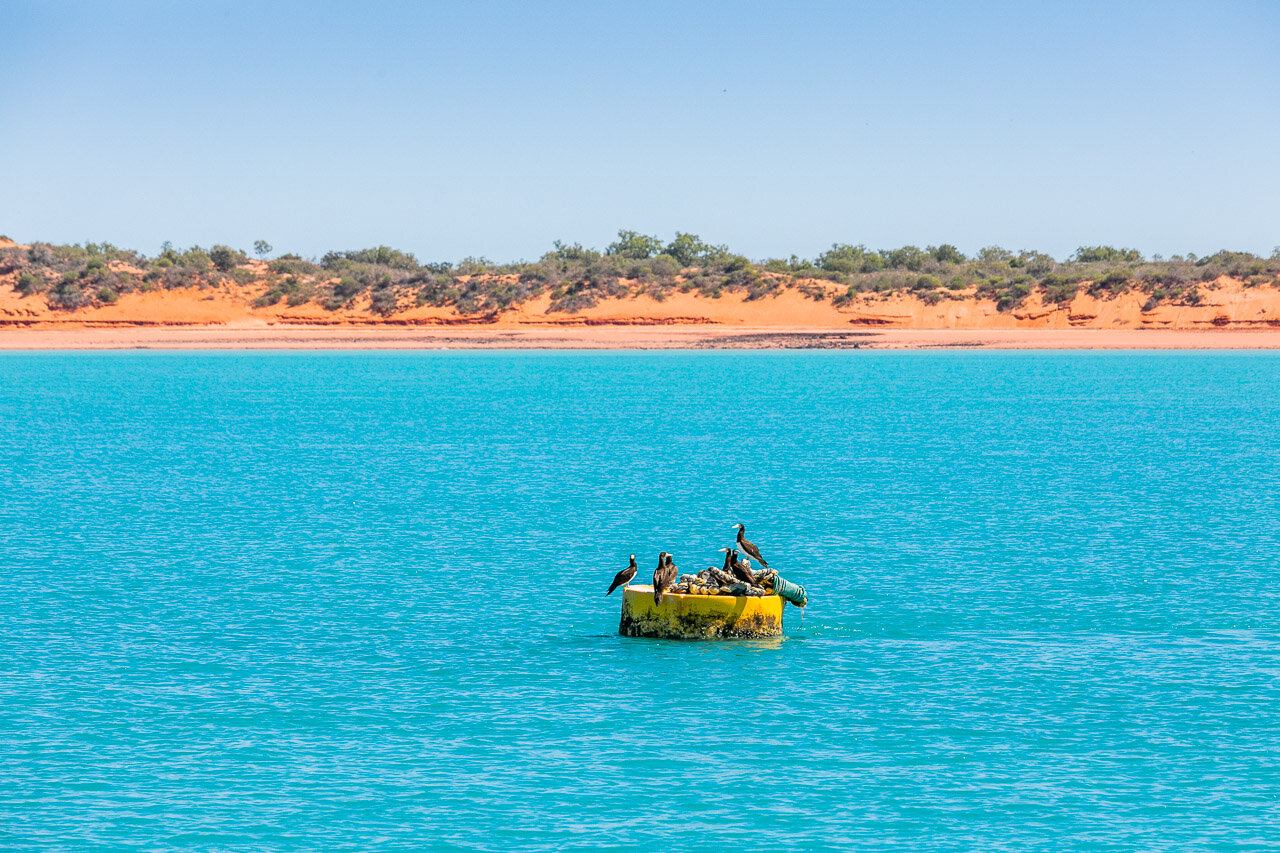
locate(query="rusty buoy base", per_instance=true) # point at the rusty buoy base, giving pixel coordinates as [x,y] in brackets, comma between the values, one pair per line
[699,617]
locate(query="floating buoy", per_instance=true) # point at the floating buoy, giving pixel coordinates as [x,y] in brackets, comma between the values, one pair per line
[698,617]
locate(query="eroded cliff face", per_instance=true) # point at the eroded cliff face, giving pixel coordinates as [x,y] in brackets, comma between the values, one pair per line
[1226,303]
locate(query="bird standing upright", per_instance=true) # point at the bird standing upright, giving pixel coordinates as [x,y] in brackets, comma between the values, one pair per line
[749,547]
[663,576]
[735,566]
[624,577]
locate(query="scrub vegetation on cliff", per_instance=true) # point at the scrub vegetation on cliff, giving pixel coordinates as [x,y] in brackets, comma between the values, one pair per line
[71,277]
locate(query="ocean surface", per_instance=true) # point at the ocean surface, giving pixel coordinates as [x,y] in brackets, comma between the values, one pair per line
[354,601]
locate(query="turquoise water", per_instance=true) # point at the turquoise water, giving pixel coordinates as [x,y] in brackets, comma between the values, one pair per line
[323,601]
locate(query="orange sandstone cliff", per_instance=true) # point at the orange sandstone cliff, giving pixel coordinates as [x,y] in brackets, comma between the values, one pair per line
[1224,303]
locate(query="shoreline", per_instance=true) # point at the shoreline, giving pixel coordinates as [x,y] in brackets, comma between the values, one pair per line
[621,337]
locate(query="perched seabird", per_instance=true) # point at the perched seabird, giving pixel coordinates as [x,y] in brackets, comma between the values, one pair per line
[624,577]
[663,576]
[749,547]
[735,567]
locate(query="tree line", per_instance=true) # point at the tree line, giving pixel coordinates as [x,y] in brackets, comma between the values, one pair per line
[635,264]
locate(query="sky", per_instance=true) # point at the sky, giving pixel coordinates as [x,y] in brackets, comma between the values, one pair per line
[492,129]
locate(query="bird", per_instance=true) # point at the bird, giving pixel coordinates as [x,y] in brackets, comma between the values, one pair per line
[749,547]
[737,567]
[663,576]
[624,577]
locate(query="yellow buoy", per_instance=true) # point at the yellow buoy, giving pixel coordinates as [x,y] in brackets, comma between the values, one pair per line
[697,617]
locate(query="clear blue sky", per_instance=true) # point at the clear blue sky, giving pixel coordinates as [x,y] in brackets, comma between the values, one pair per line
[494,128]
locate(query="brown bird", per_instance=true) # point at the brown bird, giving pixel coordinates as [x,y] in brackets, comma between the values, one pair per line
[749,547]
[624,577]
[737,567]
[663,576]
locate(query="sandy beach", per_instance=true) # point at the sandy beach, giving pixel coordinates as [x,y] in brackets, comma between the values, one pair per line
[693,336]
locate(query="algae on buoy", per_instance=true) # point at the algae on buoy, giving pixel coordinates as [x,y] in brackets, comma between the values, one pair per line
[698,617]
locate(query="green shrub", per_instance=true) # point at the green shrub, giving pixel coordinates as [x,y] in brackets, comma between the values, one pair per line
[293,265]
[383,301]
[180,276]
[1036,263]
[479,266]
[380,255]
[29,283]
[225,258]
[1163,276]
[67,295]
[11,259]
[1013,295]
[107,296]
[845,298]
[908,257]
[639,272]
[1106,254]
[41,255]
[1059,289]
[946,254]
[844,258]
[1113,282]
[665,267]
[346,288]
[537,275]
[195,258]
[633,245]
[1224,258]
[994,255]
[271,297]
[569,253]
[991,287]
[689,250]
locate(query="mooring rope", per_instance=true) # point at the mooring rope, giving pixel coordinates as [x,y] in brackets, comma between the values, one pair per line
[789,591]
